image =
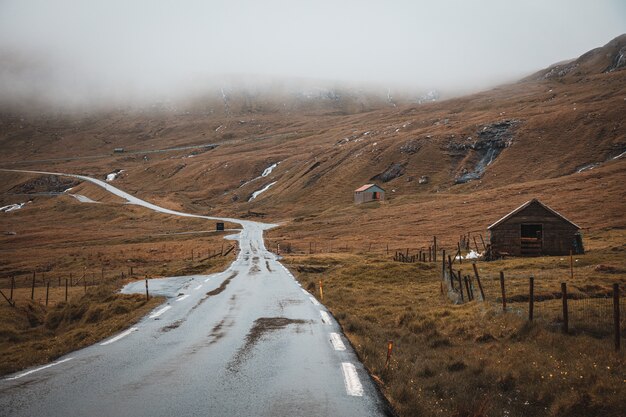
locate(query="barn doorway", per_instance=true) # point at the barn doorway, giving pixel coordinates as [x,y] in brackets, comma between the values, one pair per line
[532,239]
[375,195]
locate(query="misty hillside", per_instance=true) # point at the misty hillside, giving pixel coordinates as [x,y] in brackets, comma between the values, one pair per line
[558,123]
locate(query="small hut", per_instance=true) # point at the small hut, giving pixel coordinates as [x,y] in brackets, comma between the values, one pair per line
[534,229]
[368,192]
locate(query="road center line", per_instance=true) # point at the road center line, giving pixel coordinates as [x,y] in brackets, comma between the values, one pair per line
[336,341]
[325,317]
[305,291]
[119,336]
[198,287]
[351,380]
[314,301]
[207,280]
[32,371]
[159,312]
[182,297]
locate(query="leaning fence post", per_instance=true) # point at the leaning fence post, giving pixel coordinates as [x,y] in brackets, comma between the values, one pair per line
[480,286]
[565,312]
[321,290]
[467,287]
[32,290]
[616,317]
[66,290]
[461,286]
[531,297]
[12,287]
[503,291]
[147,293]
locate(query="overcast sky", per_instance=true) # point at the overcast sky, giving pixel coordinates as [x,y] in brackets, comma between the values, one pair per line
[75,48]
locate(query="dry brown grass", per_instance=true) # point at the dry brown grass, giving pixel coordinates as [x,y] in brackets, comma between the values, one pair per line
[470,359]
[32,334]
[57,236]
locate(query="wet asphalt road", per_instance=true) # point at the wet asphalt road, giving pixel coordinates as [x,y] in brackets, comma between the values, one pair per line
[245,342]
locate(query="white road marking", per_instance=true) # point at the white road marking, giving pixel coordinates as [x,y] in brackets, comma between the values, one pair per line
[119,336]
[207,280]
[32,371]
[336,341]
[351,379]
[325,317]
[182,297]
[314,301]
[198,287]
[305,291]
[158,313]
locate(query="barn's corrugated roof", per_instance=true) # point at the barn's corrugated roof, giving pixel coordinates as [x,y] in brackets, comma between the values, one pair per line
[365,187]
[528,203]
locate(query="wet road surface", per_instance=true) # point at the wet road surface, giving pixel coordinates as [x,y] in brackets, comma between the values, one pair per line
[248,341]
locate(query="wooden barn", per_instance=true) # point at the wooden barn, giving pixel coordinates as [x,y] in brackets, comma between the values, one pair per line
[534,229]
[368,192]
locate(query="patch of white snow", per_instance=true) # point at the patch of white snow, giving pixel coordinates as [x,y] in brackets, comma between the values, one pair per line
[262,190]
[12,207]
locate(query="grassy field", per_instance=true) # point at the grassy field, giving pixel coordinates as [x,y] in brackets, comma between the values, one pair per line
[472,359]
[59,239]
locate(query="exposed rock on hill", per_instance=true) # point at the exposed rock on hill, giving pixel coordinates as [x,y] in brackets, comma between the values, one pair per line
[480,153]
[394,170]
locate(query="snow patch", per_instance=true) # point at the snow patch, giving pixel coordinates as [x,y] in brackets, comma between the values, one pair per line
[83,199]
[12,207]
[262,190]
[113,175]
[471,255]
[269,169]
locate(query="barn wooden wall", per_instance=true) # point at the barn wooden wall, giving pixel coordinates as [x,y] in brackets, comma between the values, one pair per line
[558,234]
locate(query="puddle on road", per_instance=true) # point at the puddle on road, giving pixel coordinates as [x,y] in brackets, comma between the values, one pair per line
[262,326]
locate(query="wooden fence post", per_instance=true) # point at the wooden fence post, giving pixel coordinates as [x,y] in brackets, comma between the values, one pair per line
[480,286]
[616,317]
[435,249]
[321,291]
[12,287]
[32,290]
[461,286]
[451,272]
[11,303]
[147,293]
[443,264]
[483,242]
[475,244]
[66,290]
[467,288]
[503,290]
[460,257]
[565,312]
[531,297]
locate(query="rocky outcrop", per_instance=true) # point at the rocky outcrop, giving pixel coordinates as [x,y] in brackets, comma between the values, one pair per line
[394,170]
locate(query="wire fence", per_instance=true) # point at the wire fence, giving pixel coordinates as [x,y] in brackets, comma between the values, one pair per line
[593,310]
